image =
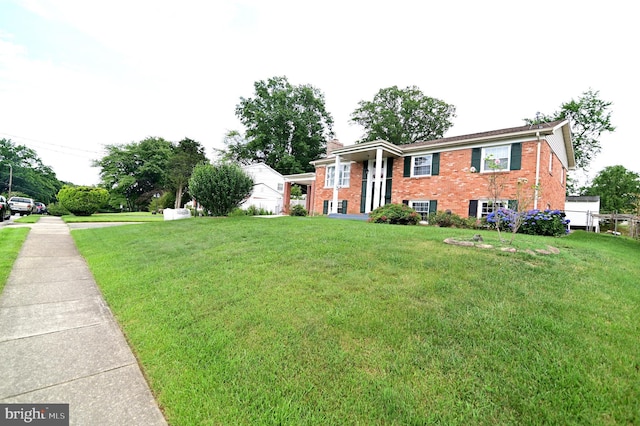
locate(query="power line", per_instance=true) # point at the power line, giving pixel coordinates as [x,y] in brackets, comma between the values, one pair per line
[43,145]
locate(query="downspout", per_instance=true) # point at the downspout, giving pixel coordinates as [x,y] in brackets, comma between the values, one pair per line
[536,187]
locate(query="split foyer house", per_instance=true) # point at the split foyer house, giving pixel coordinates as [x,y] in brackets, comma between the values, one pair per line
[443,174]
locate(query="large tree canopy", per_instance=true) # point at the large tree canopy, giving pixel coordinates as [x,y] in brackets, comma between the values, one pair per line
[618,189]
[136,170]
[28,175]
[403,116]
[589,117]
[287,126]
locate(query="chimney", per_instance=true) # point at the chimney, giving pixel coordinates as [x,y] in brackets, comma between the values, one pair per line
[332,145]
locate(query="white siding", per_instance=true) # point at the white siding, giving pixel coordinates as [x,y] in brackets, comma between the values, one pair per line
[556,141]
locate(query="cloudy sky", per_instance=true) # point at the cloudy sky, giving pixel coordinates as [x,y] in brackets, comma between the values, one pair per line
[76,75]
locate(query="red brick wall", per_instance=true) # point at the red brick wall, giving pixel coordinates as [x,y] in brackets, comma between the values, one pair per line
[456,185]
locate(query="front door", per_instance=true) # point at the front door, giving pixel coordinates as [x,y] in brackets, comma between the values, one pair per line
[368,181]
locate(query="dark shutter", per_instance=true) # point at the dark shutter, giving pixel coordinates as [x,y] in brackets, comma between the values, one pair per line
[473,208]
[344,206]
[363,195]
[407,167]
[516,156]
[387,192]
[435,164]
[513,205]
[325,207]
[389,168]
[476,153]
[433,206]
[405,202]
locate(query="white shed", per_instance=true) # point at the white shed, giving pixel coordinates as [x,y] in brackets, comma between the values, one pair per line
[580,211]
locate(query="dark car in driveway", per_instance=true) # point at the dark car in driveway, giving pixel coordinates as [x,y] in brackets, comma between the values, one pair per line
[5,210]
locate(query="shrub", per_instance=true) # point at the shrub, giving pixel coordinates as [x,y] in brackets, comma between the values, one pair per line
[82,200]
[57,209]
[550,223]
[237,212]
[220,188]
[546,222]
[298,210]
[395,214]
[446,219]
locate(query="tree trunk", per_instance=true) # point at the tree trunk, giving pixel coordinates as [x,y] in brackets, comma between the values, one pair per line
[178,197]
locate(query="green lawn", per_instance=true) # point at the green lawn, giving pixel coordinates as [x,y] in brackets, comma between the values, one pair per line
[116,217]
[321,321]
[12,239]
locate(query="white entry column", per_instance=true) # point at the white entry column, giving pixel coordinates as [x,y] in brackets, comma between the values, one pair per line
[377,179]
[336,180]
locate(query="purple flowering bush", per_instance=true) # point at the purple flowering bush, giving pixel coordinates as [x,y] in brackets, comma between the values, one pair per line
[550,223]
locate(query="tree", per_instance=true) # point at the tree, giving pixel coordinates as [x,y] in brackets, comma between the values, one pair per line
[589,117]
[220,188]
[83,200]
[618,189]
[287,126]
[27,173]
[136,170]
[185,156]
[403,116]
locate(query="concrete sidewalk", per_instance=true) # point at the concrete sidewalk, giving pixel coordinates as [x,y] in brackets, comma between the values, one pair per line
[59,342]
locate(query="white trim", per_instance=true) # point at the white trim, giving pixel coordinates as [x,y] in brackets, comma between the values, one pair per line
[484,156]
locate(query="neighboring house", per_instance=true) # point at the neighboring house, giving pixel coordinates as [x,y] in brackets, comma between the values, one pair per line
[268,188]
[583,212]
[443,174]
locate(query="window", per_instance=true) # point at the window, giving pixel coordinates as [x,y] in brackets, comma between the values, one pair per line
[422,165]
[551,163]
[421,207]
[487,206]
[343,179]
[280,186]
[496,158]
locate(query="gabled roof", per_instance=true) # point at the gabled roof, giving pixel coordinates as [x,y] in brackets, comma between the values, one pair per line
[550,130]
[509,133]
[533,131]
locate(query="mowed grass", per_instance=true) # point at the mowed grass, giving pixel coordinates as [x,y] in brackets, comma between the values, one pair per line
[115,217]
[11,242]
[323,321]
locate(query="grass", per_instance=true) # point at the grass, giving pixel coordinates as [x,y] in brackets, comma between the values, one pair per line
[12,240]
[32,218]
[115,217]
[322,321]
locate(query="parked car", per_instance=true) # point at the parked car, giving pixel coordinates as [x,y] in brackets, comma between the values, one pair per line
[5,210]
[22,205]
[41,208]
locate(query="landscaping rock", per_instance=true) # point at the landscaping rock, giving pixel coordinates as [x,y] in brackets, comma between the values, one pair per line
[484,246]
[509,249]
[459,243]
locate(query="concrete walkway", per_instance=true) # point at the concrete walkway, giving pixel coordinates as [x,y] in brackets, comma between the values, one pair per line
[59,342]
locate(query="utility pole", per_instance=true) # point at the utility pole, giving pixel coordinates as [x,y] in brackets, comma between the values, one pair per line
[10,179]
